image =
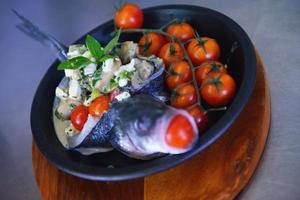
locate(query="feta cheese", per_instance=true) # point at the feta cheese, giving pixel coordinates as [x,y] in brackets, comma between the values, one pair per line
[74,89]
[128,51]
[128,67]
[69,72]
[87,54]
[123,82]
[89,69]
[122,96]
[72,73]
[77,47]
[60,93]
[76,50]
[73,54]
[108,65]
[93,59]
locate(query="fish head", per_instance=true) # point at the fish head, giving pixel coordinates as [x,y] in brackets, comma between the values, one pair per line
[147,125]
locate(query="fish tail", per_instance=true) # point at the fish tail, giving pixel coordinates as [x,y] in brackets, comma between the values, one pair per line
[35,33]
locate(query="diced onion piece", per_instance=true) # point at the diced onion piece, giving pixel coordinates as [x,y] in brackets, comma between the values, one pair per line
[89,69]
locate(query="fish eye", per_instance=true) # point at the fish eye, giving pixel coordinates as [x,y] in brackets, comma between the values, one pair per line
[143,124]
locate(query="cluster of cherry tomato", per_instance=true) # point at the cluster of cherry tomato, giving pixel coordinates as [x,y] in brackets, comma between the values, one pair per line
[80,114]
[216,86]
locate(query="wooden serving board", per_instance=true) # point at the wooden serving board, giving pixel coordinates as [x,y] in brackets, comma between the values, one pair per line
[220,172]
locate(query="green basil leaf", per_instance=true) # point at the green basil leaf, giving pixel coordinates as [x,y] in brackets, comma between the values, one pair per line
[109,47]
[74,63]
[105,57]
[96,76]
[113,84]
[72,105]
[94,47]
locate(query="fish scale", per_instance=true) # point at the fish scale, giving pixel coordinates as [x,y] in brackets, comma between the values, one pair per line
[99,135]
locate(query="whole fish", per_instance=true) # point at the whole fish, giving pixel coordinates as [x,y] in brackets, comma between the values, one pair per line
[139,128]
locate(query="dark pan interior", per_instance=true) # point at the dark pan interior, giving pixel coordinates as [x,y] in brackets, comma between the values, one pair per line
[208,23]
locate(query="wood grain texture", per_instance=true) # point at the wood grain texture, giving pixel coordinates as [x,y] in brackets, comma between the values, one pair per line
[220,172]
[55,184]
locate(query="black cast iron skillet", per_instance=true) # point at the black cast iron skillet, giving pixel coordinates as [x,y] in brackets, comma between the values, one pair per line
[242,67]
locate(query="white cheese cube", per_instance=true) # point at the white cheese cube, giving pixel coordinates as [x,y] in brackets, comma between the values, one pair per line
[87,54]
[89,69]
[123,82]
[73,54]
[128,67]
[108,65]
[93,59]
[60,93]
[77,47]
[72,73]
[69,72]
[74,89]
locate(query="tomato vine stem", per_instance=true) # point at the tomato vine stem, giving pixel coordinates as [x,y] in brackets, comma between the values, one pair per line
[176,20]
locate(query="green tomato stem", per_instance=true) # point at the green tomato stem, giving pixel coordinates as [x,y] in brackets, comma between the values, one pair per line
[176,20]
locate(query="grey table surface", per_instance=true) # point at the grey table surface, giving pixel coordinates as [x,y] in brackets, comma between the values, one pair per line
[273,26]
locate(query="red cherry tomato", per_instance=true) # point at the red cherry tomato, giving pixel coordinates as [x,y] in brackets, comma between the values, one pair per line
[218,89]
[180,132]
[200,117]
[171,52]
[180,72]
[183,31]
[209,67]
[79,116]
[151,43]
[184,96]
[99,106]
[203,49]
[129,16]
